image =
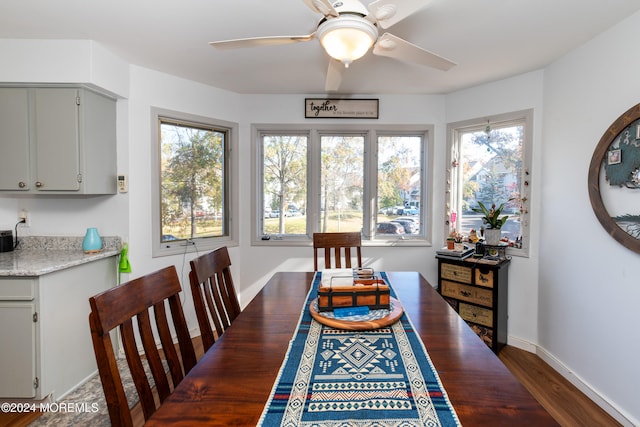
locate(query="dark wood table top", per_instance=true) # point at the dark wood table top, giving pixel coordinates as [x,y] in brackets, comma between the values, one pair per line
[230,385]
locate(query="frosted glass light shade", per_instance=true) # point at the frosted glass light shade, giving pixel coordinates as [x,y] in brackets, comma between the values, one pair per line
[347,38]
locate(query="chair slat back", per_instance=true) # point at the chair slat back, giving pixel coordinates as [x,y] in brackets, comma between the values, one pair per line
[127,307]
[342,245]
[214,294]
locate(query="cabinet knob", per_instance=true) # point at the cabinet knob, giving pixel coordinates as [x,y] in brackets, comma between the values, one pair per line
[38,184]
[22,184]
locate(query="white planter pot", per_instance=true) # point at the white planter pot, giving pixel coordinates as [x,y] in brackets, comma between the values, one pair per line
[492,236]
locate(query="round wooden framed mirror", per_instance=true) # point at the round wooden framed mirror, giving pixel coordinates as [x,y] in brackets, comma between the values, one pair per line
[614,179]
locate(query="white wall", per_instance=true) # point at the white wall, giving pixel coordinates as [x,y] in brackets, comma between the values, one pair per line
[68,61]
[589,283]
[514,94]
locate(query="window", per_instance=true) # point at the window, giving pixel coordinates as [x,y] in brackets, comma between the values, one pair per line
[489,164]
[284,189]
[341,183]
[341,178]
[192,181]
[399,184]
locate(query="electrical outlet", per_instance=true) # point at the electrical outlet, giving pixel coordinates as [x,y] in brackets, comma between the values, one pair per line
[24,215]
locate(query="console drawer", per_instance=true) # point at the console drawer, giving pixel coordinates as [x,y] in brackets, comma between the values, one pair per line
[455,272]
[467,293]
[475,314]
[484,277]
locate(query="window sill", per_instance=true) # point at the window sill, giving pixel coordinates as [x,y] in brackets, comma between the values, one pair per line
[304,241]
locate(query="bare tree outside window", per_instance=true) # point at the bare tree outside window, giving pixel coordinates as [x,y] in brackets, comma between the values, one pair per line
[340,179]
[192,175]
[341,182]
[399,184]
[285,184]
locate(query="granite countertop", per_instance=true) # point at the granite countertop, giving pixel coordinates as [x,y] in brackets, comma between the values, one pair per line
[36,256]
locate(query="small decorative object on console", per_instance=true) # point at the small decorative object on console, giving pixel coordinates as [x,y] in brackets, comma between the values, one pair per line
[496,252]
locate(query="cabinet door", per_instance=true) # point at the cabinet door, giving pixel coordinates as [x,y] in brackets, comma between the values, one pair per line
[14,139]
[18,355]
[57,145]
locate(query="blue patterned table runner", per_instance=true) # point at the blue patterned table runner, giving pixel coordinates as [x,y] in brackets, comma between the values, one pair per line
[332,377]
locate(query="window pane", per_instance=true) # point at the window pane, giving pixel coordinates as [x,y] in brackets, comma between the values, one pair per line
[285,184]
[193,201]
[399,185]
[341,183]
[491,162]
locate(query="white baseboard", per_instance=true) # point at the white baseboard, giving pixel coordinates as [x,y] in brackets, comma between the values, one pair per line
[521,344]
[72,389]
[620,416]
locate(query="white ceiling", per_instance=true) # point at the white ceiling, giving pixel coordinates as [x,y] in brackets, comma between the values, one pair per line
[489,39]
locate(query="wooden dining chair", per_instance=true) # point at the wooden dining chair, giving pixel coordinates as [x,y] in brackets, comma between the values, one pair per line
[121,307]
[341,244]
[214,295]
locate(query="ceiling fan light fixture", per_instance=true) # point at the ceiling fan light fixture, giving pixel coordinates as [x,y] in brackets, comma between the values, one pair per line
[347,38]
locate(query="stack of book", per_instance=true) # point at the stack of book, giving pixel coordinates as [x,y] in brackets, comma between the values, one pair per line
[467,252]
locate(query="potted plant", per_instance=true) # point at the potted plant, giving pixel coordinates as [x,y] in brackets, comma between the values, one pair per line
[455,241]
[492,221]
[451,241]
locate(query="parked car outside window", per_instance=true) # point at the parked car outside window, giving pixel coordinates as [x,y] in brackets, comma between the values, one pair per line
[415,220]
[409,226]
[389,228]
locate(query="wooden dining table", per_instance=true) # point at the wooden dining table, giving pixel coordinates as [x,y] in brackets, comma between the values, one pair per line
[232,382]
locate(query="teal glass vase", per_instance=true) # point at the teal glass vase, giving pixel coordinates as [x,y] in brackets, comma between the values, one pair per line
[92,241]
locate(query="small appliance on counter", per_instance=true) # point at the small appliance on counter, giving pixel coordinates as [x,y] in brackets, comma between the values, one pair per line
[6,241]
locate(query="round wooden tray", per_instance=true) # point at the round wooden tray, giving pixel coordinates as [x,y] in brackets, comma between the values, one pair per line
[360,325]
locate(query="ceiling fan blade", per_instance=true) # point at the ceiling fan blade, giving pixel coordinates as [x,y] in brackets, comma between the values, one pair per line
[322,6]
[389,12]
[261,41]
[397,48]
[334,75]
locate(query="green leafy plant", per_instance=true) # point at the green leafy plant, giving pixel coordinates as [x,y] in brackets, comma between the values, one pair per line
[455,236]
[491,217]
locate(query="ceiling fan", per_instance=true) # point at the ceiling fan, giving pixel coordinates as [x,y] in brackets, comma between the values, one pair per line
[347,31]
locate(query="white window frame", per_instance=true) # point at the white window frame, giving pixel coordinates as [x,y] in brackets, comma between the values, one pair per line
[199,244]
[453,197]
[370,134]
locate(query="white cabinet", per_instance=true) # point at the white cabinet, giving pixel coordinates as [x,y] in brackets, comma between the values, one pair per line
[44,329]
[57,140]
[18,338]
[14,138]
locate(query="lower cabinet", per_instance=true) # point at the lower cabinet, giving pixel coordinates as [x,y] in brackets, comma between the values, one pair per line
[18,356]
[44,329]
[477,291]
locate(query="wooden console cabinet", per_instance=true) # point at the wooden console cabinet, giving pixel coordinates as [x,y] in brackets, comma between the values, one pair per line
[477,291]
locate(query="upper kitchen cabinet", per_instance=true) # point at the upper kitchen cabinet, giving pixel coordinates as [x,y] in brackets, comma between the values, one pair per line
[57,140]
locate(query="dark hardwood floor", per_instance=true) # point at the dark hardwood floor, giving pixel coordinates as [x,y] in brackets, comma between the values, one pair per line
[566,404]
[560,398]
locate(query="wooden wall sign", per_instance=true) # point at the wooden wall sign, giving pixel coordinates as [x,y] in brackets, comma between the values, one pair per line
[324,108]
[614,179]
